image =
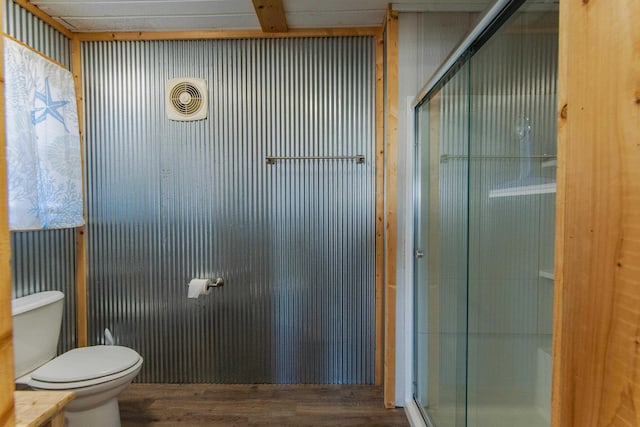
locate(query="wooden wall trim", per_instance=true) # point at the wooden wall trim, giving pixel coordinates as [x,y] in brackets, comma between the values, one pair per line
[81,287]
[596,354]
[7,412]
[81,236]
[379,209]
[558,302]
[229,34]
[391,208]
[271,15]
[35,10]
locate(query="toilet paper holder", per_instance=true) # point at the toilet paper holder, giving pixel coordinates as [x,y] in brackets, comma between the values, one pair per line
[217,282]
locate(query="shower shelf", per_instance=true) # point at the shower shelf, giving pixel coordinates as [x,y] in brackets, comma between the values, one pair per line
[524,190]
[546,346]
[546,274]
[550,163]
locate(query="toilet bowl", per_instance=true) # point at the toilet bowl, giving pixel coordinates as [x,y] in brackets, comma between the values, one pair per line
[96,374]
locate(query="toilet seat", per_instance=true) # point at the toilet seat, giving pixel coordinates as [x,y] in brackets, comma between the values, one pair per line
[86,366]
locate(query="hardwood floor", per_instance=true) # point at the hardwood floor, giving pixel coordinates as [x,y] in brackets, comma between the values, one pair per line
[256,405]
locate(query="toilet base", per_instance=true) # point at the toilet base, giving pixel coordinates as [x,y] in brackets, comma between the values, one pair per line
[105,415]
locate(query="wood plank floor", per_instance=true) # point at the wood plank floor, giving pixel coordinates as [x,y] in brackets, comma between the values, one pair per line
[256,405]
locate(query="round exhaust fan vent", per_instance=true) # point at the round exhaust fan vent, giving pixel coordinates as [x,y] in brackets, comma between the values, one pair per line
[186,99]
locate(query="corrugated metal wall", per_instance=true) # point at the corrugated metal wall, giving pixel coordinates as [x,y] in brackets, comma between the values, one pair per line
[169,201]
[43,260]
[24,26]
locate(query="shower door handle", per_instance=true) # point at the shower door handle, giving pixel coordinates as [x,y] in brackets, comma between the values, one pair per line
[418,253]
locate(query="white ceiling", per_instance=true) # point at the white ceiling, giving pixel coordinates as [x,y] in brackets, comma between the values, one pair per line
[185,15]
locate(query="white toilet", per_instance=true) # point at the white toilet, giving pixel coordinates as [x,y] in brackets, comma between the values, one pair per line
[96,374]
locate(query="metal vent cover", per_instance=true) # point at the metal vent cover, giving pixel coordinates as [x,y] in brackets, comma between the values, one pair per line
[186,99]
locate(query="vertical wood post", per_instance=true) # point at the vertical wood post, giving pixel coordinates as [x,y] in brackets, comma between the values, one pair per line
[7,413]
[81,236]
[391,207]
[379,351]
[596,343]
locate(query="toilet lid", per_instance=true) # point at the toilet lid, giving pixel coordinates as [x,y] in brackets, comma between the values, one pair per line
[86,363]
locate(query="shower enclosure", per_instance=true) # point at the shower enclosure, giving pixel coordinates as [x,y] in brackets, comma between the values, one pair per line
[484,226]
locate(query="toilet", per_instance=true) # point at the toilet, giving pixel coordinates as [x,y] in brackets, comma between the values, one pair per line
[96,374]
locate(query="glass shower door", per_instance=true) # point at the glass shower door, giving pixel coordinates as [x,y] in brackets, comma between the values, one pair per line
[441,240]
[511,222]
[484,229]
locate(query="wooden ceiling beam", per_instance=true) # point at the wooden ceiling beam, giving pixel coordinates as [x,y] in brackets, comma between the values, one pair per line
[271,15]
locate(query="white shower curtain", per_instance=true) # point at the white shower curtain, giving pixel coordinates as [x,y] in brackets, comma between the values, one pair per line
[43,144]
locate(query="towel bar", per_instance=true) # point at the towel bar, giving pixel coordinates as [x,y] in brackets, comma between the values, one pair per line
[272,159]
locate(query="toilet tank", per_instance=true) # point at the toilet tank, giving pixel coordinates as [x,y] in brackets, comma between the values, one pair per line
[37,319]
